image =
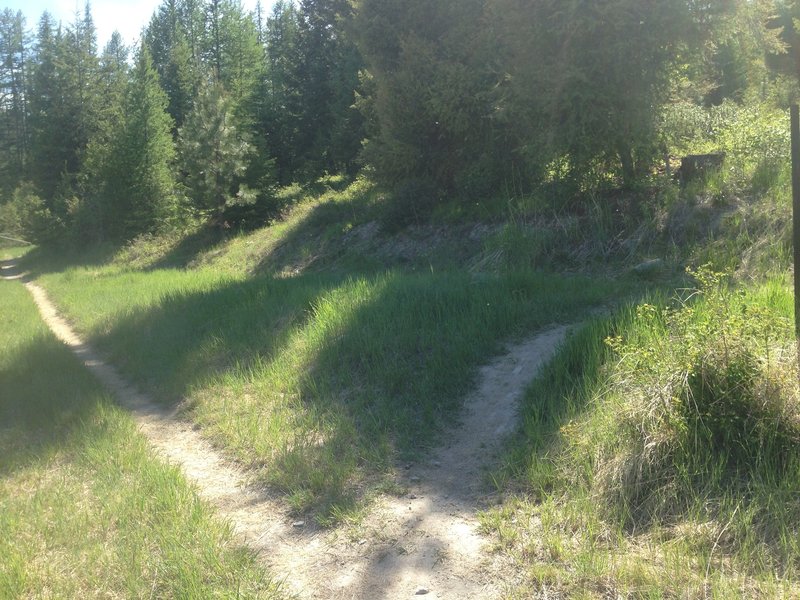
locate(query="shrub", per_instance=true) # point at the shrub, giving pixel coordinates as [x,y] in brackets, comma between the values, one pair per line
[410,204]
[27,216]
[754,138]
[708,401]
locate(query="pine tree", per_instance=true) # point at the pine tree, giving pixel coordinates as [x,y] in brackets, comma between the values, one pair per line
[258,16]
[329,129]
[214,156]
[471,93]
[80,87]
[277,102]
[181,79]
[139,183]
[433,74]
[589,84]
[64,103]
[13,99]
[113,84]
[93,215]
[49,145]
[305,110]
[171,40]
[232,53]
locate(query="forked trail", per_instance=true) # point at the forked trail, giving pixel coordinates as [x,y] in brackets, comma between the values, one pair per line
[424,543]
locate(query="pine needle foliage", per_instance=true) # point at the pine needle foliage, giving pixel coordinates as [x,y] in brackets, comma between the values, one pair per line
[214,155]
[140,187]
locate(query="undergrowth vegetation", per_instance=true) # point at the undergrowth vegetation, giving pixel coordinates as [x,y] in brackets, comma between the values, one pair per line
[86,508]
[737,216]
[661,452]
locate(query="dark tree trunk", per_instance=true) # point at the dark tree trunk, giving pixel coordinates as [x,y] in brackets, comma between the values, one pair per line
[628,166]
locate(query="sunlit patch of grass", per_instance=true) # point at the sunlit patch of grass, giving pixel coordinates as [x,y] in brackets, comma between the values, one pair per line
[85,507]
[10,252]
[317,382]
[665,462]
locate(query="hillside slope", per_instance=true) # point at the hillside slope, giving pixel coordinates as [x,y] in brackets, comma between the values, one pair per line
[335,346]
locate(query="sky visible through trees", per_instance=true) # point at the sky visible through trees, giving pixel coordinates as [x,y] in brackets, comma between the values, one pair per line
[128,17]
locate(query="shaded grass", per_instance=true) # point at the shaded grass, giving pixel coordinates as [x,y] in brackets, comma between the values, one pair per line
[318,381]
[85,507]
[668,465]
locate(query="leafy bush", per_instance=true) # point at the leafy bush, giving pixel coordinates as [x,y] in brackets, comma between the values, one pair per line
[410,204]
[708,401]
[754,137]
[27,216]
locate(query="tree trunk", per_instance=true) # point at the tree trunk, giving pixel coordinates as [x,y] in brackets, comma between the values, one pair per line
[628,167]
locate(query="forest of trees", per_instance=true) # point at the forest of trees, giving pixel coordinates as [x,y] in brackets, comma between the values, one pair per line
[216,107]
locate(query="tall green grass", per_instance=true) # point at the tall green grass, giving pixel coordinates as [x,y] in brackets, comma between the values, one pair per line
[86,510]
[317,381]
[661,453]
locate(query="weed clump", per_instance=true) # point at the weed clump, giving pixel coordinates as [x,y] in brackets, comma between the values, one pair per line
[675,443]
[708,403]
[411,203]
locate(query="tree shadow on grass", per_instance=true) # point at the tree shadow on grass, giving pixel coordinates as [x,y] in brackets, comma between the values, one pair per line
[331,230]
[190,247]
[43,260]
[47,397]
[215,234]
[188,339]
[359,368]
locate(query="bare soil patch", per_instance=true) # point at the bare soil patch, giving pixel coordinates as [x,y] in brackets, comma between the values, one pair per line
[423,543]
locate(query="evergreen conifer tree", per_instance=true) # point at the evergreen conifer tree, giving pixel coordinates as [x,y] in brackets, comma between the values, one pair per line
[214,156]
[64,103]
[47,123]
[139,183]
[95,212]
[171,38]
[278,103]
[433,71]
[13,99]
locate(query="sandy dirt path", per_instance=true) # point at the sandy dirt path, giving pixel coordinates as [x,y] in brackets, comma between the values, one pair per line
[424,543]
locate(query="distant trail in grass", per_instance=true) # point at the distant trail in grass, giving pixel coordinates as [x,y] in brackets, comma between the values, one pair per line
[426,539]
[89,507]
[253,516]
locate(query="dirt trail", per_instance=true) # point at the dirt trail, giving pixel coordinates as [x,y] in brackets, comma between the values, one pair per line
[424,543]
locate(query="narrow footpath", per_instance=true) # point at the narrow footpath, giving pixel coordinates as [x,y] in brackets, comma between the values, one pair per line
[424,543]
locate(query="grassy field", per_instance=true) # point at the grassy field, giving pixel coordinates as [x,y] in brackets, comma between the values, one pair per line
[657,457]
[318,379]
[660,454]
[86,509]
